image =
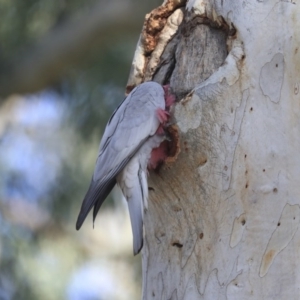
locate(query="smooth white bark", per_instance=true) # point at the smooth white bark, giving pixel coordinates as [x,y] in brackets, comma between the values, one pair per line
[223,216]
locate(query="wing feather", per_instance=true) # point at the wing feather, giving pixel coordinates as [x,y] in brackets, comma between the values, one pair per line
[95,196]
[135,121]
[131,124]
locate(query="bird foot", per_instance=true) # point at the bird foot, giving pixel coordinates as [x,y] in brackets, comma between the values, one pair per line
[160,130]
[162,115]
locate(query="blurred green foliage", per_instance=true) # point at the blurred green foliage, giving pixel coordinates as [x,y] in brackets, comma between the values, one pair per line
[23,22]
[37,261]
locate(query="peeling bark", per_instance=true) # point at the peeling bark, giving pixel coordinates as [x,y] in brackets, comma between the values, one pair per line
[159,28]
[224,211]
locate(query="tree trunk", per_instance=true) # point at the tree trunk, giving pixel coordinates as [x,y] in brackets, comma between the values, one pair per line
[224,209]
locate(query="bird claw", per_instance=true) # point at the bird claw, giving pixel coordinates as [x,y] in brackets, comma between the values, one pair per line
[162,115]
[160,130]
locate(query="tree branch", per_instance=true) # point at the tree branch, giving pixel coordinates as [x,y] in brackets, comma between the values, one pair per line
[45,62]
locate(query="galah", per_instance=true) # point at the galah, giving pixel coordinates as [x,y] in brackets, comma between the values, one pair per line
[132,133]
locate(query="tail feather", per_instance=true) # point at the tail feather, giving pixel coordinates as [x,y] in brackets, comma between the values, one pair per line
[104,194]
[136,217]
[95,196]
[132,183]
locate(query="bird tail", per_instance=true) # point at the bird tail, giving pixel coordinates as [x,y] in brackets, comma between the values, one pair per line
[136,218]
[95,196]
[133,183]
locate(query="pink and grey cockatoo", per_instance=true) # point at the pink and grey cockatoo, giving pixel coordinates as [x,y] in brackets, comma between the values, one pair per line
[133,131]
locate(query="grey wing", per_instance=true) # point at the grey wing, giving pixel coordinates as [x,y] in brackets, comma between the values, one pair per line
[132,123]
[130,126]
